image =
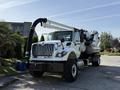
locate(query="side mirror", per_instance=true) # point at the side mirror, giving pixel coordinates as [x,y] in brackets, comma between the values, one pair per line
[68,44]
[82,37]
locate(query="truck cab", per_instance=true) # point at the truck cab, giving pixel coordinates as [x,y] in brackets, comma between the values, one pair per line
[57,46]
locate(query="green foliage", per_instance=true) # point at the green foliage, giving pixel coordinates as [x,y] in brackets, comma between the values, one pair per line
[35,39]
[11,46]
[18,48]
[116,45]
[9,70]
[105,40]
[7,67]
[110,54]
[10,43]
[42,38]
[6,41]
[25,45]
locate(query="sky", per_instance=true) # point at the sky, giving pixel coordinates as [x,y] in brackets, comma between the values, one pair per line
[100,15]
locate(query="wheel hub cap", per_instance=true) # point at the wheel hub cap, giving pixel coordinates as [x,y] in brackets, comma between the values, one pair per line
[74,70]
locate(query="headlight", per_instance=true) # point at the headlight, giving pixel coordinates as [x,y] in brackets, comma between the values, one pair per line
[61,54]
[57,46]
[64,53]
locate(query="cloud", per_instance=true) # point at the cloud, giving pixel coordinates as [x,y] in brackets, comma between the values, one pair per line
[86,9]
[15,3]
[102,17]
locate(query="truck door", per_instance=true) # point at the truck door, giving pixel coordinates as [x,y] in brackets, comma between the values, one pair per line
[77,43]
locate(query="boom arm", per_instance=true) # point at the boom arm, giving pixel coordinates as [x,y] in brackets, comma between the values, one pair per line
[46,24]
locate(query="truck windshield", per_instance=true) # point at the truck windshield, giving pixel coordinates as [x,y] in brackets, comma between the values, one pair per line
[59,35]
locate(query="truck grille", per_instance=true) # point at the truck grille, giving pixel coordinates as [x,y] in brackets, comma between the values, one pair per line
[42,50]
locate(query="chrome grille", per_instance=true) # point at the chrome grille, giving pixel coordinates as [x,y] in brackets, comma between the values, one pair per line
[42,50]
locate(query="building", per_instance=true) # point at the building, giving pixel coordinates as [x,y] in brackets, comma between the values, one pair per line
[22,27]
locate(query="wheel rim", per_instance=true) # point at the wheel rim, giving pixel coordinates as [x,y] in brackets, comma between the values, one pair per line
[74,70]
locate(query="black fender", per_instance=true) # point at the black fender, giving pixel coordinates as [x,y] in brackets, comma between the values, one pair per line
[72,56]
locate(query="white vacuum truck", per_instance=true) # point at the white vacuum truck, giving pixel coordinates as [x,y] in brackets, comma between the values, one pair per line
[63,51]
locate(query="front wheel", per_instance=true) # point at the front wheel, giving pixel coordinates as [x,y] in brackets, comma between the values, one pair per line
[70,71]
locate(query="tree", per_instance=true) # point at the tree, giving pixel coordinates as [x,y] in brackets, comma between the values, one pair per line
[19,40]
[10,43]
[115,43]
[106,41]
[42,38]
[6,41]
[35,39]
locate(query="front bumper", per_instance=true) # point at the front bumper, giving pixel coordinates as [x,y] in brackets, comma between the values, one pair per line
[46,66]
[49,59]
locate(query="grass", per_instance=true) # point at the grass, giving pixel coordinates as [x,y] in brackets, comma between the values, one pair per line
[7,70]
[110,54]
[7,67]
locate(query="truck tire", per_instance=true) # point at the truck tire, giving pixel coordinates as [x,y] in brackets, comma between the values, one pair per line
[85,62]
[36,73]
[70,70]
[96,61]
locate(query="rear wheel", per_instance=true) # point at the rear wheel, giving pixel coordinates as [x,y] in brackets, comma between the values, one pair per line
[85,62]
[96,61]
[70,71]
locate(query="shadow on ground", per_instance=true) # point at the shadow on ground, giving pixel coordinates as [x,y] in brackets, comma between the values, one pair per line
[90,78]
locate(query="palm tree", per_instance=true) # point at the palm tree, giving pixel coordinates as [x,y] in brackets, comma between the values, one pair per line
[11,43]
[19,40]
[6,41]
